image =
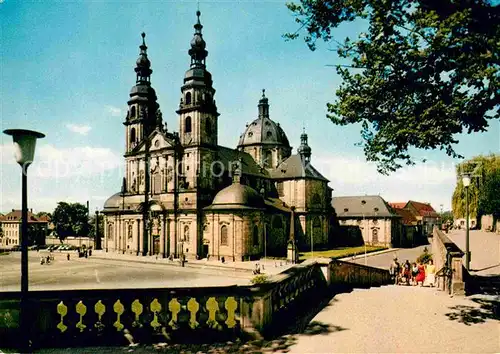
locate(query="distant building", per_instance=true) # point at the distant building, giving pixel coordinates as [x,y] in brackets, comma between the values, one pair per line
[372,216]
[11,227]
[425,214]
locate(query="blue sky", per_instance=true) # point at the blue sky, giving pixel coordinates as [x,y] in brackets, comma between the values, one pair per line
[67,69]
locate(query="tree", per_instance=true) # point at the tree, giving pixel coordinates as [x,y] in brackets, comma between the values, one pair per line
[481,168]
[70,219]
[489,200]
[92,226]
[424,71]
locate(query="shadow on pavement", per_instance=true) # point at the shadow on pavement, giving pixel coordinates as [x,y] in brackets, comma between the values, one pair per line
[469,315]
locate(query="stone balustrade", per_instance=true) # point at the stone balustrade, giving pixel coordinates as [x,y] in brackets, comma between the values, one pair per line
[447,257]
[72,318]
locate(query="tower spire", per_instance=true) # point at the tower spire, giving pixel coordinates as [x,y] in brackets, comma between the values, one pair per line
[198,52]
[263,106]
[304,149]
[143,65]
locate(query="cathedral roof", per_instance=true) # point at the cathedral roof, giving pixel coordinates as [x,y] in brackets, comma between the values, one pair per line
[248,165]
[263,130]
[237,196]
[296,167]
[113,202]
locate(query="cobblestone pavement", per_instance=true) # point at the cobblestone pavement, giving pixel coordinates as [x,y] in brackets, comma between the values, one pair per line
[384,260]
[485,250]
[94,273]
[400,319]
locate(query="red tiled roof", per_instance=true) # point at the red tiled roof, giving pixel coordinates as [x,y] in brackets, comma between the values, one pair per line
[407,215]
[15,215]
[424,209]
[397,205]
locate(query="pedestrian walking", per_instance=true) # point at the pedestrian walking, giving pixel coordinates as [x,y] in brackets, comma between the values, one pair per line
[430,273]
[394,270]
[67,256]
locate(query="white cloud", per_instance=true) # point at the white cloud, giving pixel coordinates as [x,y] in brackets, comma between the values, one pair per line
[114,111]
[52,162]
[80,129]
[430,182]
[7,154]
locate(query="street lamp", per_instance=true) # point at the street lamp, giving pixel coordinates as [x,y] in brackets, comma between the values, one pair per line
[363,202]
[466,182]
[24,152]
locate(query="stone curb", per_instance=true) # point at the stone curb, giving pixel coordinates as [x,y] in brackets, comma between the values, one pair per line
[369,254]
[176,264]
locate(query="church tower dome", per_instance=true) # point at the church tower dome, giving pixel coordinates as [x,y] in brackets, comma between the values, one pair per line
[264,139]
[304,149]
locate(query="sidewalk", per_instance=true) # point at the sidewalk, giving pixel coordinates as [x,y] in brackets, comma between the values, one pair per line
[267,266]
[369,254]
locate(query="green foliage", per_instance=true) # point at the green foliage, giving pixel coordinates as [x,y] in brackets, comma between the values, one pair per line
[423,72]
[482,168]
[260,279]
[489,200]
[70,219]
[424,257]
[92,226]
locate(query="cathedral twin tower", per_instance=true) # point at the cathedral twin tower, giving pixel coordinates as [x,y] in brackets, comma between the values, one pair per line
[242,208]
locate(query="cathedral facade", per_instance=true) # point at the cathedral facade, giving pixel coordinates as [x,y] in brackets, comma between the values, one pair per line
[185,195]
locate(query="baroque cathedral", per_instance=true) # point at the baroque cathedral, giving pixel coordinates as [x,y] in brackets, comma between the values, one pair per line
[184,195]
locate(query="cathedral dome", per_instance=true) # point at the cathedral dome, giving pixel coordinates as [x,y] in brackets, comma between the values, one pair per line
[237,196]
[263,131]
[113,202]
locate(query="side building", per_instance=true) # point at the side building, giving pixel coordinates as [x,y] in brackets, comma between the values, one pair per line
[368,219]
[10,224]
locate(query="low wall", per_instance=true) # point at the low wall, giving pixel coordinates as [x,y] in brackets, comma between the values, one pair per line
[72,240]
[447,257]
[71,318]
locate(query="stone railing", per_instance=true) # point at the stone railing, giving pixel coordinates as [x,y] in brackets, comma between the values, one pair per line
[447,257]
[341,274]
[72,318]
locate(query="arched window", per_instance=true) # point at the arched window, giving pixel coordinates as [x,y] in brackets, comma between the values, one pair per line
[317,229]
[187,125]
[132,135]
[188,98]
[255,235]
[223,235]
[186,233]
[132,112]
[375,236]
[110,231]
[269,135]
[208,127]
[277,224]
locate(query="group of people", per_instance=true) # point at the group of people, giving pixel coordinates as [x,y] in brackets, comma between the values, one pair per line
[413,273]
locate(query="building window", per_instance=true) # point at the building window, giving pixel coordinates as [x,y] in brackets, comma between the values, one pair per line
[110,231]
[208,127]
[279,187]
[132,135]
[223,235]
[255,235]
[132,112]
[269,135]
[188,98]
[186,233]
[375,236]
[130,231]
[346,210]
[187,125]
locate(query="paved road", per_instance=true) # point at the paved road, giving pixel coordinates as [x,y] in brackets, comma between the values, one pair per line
[82,273]
[399,319]
[484,248]
[384,260]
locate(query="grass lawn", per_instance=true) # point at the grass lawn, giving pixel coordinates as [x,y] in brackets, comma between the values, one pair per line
[341,252]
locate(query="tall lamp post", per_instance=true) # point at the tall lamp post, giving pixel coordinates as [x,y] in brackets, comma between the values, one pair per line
[24,152]
[466,182]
